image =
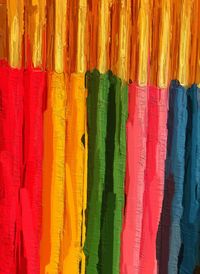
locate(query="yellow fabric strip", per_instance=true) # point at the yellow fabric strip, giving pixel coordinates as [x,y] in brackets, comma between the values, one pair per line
[16,29]
[81,57]
[133,44]
[50,34]
[164,44]
[36,24]
[124,40]
[185,40]
[76,177]
[143,41]
[60,34]
[58,171]
[103,35]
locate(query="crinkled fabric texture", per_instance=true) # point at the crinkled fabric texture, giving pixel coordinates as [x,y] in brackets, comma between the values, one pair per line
[22,99]
[107,114]
[97,101]
[31,192]
[136,131]
[170,233]
[190,225]
[154,176]
[58,91]
[76,185]
[11,166]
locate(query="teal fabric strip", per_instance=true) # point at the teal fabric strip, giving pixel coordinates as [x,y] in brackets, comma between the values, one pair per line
[175,163]
[190,222]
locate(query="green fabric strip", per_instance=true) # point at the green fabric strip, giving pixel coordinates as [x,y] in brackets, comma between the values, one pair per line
[108,199]
[119,167]
[107,113]
[97,101]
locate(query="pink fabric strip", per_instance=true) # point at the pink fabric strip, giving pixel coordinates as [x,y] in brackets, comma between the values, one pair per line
[136,161]
[154,177]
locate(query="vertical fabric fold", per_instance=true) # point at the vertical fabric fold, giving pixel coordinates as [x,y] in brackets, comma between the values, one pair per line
[175,164]
[154,176]
[110,105]
[46,179]
[190,225]
[136,130]
[175,170]
[121,100]
[169,235]
[97,103]
[83,238]
[31,193]
[105,264]
[75,192]
[57,86]
[11,166]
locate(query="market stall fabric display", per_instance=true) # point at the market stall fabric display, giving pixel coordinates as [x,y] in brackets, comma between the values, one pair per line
[99,136]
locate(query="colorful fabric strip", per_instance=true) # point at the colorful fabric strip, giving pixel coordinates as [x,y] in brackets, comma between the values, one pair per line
[97,103]
[121,99]
[113,195]
[111,106]
[173,189]
[134,189]
[76,188]
[175,164]
[11,167]
[154,177]
[31,192]
[190,225]
[58,173]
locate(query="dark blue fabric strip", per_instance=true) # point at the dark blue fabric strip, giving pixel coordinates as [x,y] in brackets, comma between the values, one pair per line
[175,167]
[169,235]
[190,223]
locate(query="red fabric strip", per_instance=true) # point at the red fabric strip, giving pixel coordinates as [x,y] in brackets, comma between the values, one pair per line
[154,177]
[35,88]
[11,119]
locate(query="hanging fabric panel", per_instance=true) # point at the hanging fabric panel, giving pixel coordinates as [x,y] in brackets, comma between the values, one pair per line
[76,152]
[190,225]
[154,176]
[134,188]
